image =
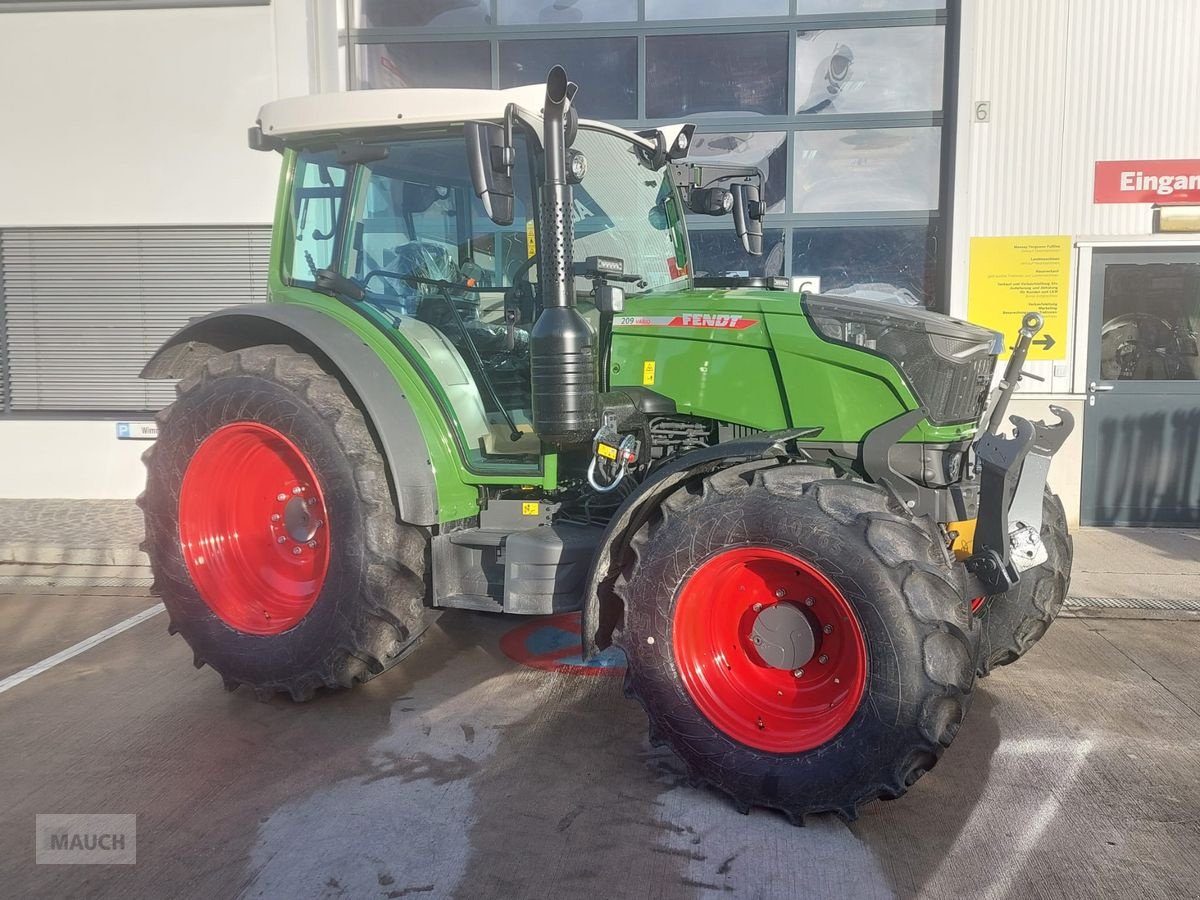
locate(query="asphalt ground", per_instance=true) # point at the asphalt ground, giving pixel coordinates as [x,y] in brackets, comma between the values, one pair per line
[465,774]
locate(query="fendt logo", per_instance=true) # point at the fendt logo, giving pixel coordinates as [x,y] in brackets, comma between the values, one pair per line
[687,320]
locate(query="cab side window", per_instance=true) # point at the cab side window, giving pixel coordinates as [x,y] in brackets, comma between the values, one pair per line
[317,198]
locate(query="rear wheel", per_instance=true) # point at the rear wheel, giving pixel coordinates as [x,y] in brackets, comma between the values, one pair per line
[1014,621]
[800,641]
[272,532]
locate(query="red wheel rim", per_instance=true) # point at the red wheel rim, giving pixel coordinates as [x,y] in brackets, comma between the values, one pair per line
[776,710]
[254,528]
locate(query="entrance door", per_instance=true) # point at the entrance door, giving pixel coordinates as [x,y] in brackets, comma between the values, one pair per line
[1141,427]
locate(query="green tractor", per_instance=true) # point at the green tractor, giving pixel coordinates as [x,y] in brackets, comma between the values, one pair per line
[488,379]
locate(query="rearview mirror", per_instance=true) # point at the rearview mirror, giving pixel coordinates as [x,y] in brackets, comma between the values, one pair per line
[747,217]
[491,160]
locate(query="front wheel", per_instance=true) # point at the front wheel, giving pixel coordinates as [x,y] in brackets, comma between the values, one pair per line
[800,641]
[272,532]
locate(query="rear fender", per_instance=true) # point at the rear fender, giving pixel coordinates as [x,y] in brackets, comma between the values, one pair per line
[380,397]
[602,609]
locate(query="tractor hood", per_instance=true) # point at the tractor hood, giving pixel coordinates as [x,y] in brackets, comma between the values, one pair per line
[946,362]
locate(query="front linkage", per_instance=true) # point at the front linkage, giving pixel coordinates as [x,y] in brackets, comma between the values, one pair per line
[1004,485]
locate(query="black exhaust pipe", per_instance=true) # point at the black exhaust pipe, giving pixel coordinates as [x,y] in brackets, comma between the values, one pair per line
[562,345]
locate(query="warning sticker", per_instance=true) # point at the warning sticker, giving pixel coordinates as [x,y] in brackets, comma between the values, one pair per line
[687,320]
[530,509]
[552,645]
[648,372]
[530,240]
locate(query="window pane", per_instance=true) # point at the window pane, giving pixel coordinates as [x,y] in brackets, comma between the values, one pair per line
[688,74]
[565,12]
[1151,319]
[450,64]
[866,170]
[320,186]
[888,259]
[866,70]
[765,149]
[719,253]
[623,209]
[714,9]
[421,13]
[604,68]
[825,7]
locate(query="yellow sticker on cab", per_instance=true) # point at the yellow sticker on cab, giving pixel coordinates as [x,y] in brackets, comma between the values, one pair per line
[530,240]
[648,372]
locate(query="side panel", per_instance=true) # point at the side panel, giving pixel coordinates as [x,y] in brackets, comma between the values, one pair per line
[706,371]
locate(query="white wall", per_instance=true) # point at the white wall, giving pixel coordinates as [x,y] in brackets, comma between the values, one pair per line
[68,459]
[139,117]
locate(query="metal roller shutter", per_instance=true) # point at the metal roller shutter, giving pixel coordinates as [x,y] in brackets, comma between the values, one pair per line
[84,308]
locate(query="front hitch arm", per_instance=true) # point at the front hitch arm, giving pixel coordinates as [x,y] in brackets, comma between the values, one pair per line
[1013,472]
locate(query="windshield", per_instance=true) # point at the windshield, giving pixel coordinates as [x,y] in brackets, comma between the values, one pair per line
[624,209]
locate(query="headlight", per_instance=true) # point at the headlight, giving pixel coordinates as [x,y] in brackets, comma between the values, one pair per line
[947,364]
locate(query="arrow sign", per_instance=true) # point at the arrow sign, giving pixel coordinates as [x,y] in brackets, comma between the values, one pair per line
[1045,342]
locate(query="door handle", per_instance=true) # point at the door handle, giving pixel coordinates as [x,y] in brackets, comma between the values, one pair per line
[1094,389]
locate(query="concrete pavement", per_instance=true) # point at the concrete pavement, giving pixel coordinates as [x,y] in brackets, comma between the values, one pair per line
[464,774]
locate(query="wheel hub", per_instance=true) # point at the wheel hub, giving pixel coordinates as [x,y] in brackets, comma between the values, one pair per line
[300,526]
[783,636]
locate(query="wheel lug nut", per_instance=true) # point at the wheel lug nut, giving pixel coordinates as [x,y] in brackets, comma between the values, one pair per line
[808,601]
[822,659]
[281,539]
[757,607]
[274,517]
[311,501]
[797,673]
[780,592]
[296,551]
[312,544]
[281,497]
[297,490]
[828,629]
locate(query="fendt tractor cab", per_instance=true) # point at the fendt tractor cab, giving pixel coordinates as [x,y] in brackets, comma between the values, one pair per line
[487,379]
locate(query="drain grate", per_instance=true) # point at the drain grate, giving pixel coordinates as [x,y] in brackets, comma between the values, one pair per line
[1128,603]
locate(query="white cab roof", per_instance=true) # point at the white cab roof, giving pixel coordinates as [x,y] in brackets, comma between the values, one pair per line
[354,110]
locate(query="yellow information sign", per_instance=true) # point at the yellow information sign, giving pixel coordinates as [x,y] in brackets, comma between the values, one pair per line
[1012,276]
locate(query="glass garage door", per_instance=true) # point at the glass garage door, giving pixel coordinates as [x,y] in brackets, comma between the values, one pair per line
[839,102]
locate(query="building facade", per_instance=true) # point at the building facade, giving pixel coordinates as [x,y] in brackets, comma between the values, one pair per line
[936,151]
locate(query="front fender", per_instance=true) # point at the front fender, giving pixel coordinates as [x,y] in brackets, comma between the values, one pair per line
[381,398]
[601,608]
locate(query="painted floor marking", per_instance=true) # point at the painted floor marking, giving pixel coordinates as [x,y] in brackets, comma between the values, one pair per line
[87,644]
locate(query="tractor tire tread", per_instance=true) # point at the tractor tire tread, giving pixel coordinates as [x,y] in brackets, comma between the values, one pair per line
[904,547]
[1014,621]
[392,593]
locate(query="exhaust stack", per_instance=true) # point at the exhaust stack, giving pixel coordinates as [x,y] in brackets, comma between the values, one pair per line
[562,345]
